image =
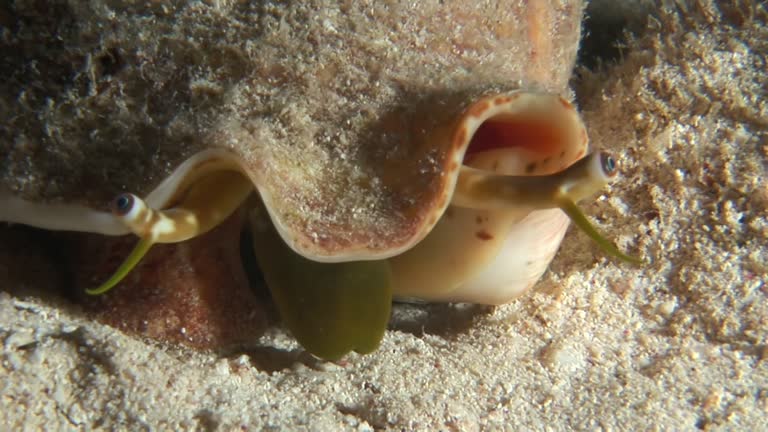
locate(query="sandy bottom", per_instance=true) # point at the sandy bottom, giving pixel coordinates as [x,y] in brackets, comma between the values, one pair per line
[680,343]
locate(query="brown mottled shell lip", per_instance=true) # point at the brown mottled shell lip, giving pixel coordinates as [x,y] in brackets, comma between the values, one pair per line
[557,110]
[417,202]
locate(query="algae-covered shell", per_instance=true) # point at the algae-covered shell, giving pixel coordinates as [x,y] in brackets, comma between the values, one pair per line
[365,128]
[334,117]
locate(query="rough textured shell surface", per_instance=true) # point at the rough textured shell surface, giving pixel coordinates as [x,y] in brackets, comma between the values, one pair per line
[332,107]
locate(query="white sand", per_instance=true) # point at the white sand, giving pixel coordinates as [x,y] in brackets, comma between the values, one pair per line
[678,344]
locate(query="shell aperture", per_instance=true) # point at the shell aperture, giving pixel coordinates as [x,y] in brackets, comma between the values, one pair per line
[481,189]
[510,206]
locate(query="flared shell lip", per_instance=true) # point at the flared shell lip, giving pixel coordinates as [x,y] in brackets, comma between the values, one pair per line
[80,218]
[465,127]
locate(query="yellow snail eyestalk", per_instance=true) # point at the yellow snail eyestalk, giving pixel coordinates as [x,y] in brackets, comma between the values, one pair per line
[207,203]
[480,189]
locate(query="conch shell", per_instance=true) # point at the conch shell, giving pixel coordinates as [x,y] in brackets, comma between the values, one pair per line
[442,183]
[513,162]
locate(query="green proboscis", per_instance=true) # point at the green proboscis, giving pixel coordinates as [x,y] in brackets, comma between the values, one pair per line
[331,308]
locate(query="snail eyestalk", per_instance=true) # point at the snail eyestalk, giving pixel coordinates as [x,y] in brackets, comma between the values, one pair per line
[206,204]
[577,216]
[482,189]
[138,252]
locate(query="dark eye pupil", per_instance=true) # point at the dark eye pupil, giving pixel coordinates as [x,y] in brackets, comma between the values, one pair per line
[123,203]
[609,164]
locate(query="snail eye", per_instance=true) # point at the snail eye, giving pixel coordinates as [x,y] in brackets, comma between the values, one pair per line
[122,204]
[608,163]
